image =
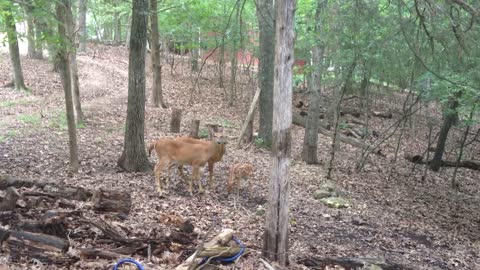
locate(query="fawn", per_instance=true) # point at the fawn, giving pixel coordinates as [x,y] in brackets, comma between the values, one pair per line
[238,172]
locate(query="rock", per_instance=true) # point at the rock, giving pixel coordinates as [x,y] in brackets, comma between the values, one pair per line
[320,194]
[260,210]
[336,202]
[372,267]
[328,186]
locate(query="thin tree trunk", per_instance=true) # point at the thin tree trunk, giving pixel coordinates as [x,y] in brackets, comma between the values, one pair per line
[462,144]
[336,120]
[74,69]
[129,31]
[117,33]
[310,140]
[14,51]
[30,34]
[265,13]
[39,29]
[425,171]
[134,157]
[82,25]
[277,218]
[450,116]
[221,63]
[157,96]
[62,9]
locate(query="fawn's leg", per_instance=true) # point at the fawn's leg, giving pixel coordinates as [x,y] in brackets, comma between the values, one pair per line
[180,170]
[158,174]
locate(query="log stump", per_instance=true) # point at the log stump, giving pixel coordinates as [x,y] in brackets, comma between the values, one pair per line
[176,120]
[112,201]
[194,128]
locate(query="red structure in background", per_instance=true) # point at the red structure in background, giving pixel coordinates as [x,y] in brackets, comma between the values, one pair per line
[245,57]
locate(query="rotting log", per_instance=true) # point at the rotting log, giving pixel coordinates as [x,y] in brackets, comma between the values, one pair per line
[45,248]
[299,120]
[349,263]
[470,164]
[51,223]
[48,189]
[112,201]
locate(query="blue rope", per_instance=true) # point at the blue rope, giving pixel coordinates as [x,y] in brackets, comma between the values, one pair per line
[128,260]
[228,259]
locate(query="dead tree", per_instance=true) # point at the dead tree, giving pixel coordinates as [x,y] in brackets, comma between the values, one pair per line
[276,228]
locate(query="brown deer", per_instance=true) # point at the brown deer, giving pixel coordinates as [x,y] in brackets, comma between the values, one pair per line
[238,172]
[171,152]
[216,157]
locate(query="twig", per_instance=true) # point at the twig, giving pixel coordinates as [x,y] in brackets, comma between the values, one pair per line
[266,264]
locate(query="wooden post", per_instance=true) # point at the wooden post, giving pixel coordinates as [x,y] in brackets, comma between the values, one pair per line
[176,120]
[249,116]
[194,128]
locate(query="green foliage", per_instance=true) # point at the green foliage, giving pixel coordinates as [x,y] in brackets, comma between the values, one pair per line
[203,133]
[33,119]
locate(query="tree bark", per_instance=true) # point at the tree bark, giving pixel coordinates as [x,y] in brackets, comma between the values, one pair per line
[176,120]
[117,32]
[194,126]
[450,116]
[310,140]
[39,30]
[134,157]
[265,16]
[62,9]
[157,96]
[30,33]
[74,69]
[82,25]
[14,51]
[277,220]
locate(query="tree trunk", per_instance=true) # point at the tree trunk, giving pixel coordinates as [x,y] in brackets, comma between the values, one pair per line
[134,157]
[74,69]
[450,116]
[266,24]
[117,32]
[14,51]
[129,31]
[82,25]
[157,96]
[310,140]
[39,30]
[62,9]
[277,220]
[30,34]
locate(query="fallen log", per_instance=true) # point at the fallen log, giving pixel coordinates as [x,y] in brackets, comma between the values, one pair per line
[51,223]
[350,263]
[49,189]
[103,200]
[470,164]
[45,248]
[112,201]
[298,120]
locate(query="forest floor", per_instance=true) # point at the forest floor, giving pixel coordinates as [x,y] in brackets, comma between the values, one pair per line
[394,215]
